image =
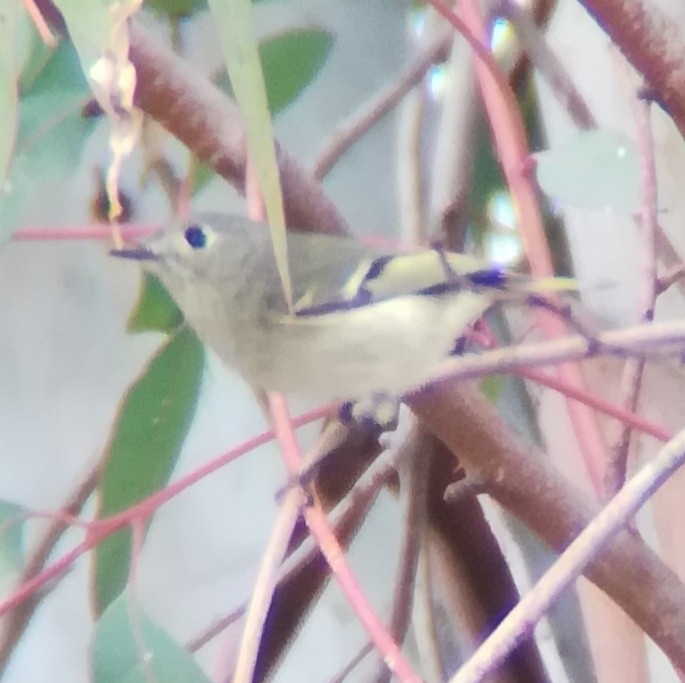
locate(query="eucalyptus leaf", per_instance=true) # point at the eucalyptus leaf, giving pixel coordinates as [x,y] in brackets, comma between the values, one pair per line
[175,9]
[89,25]
[150,429]
[290,61]
[9,102]
[128,647]
[12,518]
[155,310]
[52,131]
[234,23]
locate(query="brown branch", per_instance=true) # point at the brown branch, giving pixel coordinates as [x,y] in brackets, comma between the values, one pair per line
[649,40]
[17,621]
[195,111]
[525,483]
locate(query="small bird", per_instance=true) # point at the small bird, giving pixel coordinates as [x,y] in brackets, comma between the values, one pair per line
[365,321]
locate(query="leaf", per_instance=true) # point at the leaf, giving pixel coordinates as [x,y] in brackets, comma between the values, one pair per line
[52,131]
[597,170]
[492,387]
[201,174]
[290,60]
[155,310]
[151,427]
[233,20]
[9,104]
[128,647]
[89,25]
[11,543]
[175,9]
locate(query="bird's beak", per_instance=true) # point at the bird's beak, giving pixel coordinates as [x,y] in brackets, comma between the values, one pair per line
[135,254]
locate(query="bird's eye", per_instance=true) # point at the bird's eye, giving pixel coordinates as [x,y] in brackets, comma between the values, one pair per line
[196,236]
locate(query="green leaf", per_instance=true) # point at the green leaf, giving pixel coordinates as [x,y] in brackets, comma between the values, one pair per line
[233,21]
[290,61]
[492,387]
[9,105]
[128,647]
[52,132]
[597,170]
[151,427]
[11,542]
[175,9]
[202,173]
[89,25]
[155,310]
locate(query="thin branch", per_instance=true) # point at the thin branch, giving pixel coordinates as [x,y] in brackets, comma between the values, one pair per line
[674,275]
[594,401]
[414,469]
[108,525]
[631,379]
[526,483]
[362,121]
[265,586]
[39,21]
[129,231]
[18,619]
[659,339]
[519,623]
[509,134]
[548,64]
[331,550]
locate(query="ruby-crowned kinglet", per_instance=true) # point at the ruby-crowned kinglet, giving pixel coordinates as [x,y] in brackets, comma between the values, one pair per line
[365,322]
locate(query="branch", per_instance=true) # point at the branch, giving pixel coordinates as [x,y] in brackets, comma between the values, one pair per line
[531,488]
[519,623]
[649,40]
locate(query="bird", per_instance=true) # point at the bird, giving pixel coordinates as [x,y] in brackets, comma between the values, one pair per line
[365,321]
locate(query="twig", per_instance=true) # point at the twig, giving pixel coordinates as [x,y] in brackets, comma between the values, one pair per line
[528,485]
[409,169]
[413,470]
[353,663]
[40,23]
[130,232]
[426,619]
[108,525]
[305,566]
[519,623]
[214,629]
[594,401]
[659,339]
[508,130]
[265,585]
[670,277]
[669,257]
[18,619]
[331,550]
[370,114]
[452,165]
[633,371]
[549,66]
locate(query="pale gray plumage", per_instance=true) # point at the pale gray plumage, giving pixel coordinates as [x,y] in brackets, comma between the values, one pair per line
[226,283]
